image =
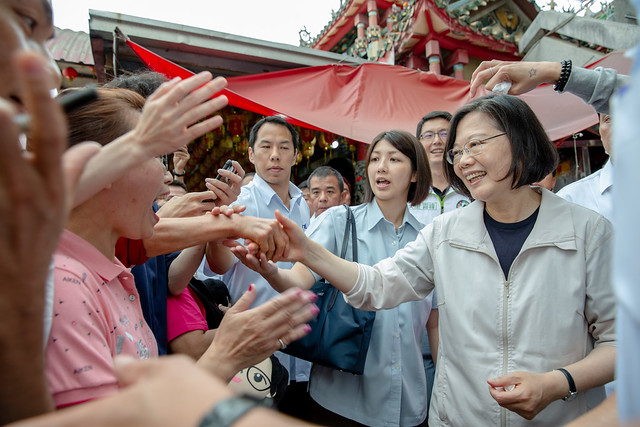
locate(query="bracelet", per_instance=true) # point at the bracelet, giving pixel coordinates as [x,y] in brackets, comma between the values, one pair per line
[179,174]
[228,411]
[572,385]
[564,76]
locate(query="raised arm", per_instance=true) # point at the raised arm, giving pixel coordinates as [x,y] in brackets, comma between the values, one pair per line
[523,76]
[171,117]
[594,87]
[280,279]
[340,273]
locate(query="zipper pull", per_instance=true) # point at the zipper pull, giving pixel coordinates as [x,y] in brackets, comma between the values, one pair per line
[506,287]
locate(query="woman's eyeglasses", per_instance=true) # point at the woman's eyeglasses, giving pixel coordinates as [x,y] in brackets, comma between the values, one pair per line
[471,148]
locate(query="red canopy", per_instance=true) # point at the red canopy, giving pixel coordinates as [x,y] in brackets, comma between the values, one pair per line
[360,102]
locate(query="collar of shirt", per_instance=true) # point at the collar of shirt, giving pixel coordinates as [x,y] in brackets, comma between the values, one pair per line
[374,216]
[74,246]
[264,190]
[606,176]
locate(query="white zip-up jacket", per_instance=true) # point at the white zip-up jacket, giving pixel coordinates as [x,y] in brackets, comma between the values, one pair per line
[555,305]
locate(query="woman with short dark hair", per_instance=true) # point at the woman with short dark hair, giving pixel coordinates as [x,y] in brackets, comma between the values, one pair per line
[522,279]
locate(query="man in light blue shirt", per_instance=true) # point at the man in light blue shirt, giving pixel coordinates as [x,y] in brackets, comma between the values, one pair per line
[594,191]
[273,145]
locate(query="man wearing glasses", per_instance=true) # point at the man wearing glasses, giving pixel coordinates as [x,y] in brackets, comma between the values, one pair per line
[432,133]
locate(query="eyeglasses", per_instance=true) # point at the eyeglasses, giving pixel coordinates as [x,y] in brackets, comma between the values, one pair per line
[428,136]
[471,148]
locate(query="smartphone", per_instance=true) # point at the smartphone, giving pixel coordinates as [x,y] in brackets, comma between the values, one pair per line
[227,166]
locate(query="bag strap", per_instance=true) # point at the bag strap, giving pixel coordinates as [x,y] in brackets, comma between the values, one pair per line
[350,225]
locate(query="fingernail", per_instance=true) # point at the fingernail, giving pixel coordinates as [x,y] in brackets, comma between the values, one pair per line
[315,310]
[307,329]
[312,296]
[250,287]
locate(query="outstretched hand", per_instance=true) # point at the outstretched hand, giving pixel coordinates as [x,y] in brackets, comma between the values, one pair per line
[297,238]
[257,262]
[178,112]
[247,336]
[523,76]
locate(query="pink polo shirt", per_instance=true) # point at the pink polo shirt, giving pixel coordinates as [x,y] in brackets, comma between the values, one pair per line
[96,316]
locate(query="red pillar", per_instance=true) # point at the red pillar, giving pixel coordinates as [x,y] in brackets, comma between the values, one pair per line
[372,10]
[432,52]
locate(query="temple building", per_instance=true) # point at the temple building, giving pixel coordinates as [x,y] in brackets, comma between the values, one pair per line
[409,57]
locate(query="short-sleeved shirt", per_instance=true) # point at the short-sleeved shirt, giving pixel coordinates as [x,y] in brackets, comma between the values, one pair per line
[393,388]
[96,316]
[184,314]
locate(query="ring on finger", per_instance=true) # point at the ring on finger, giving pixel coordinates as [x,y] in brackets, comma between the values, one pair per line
[492,73]
[282,344]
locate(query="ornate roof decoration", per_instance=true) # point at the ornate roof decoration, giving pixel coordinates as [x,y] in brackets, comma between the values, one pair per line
[486,28]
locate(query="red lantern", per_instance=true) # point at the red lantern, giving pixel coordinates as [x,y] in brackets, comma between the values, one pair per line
[70,73]
[323,142]
[306,135]
[235,125]
[308,150]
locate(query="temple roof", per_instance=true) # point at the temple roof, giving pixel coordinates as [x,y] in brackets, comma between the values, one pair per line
[486,28]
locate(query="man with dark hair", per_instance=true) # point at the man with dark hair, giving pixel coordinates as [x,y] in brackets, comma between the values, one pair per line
[326,189]
[432,133]
[273,145]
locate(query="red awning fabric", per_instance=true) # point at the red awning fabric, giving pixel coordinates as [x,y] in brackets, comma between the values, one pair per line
[360,102]
[355,102]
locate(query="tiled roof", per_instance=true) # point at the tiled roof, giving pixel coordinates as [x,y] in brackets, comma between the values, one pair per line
[71,46]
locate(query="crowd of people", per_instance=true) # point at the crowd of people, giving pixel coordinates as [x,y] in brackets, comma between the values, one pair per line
[495,298]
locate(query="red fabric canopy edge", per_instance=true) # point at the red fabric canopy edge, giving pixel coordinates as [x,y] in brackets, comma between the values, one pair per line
[360,102]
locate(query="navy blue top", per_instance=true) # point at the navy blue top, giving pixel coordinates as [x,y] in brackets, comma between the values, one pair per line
[152,283]
[508,238]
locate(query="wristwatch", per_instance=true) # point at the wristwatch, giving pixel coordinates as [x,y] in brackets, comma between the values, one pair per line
[179,174]
[227,411]
[572,385]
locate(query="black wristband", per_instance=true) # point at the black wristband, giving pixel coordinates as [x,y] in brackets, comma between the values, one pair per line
[179,174]
[227,411]
[572,385]
[564,75]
